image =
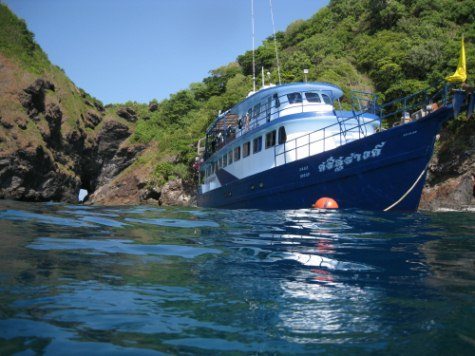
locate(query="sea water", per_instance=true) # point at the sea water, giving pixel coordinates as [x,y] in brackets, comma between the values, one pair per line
[80,279]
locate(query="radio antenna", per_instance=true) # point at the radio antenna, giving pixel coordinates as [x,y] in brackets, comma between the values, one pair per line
[253,49]
[275,42]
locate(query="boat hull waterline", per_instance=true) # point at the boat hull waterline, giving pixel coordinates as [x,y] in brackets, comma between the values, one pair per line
[383,171]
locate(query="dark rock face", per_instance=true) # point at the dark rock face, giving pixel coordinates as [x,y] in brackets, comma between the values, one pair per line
[127,113]
[33,97]
[54,118]
[109,139]
[150,194]
[57,170]
[122,158]
[92,119]
[31,174]
[451,172]
[108,157]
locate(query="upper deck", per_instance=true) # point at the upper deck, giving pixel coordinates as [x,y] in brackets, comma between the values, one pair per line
[267,105]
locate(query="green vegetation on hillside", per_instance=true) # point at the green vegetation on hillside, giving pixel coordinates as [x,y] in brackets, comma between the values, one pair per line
[29,63]
[16,41]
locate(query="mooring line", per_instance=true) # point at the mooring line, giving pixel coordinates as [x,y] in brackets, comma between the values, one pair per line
[408,191]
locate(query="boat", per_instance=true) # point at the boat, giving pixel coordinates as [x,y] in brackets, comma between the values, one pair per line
[286,146]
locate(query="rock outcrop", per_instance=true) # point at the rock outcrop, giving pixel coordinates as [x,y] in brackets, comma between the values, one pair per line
[127,113]
[451,174]
[92,119]
[454,194]
[136,186]
[128,188]
[33,97]
[123,157]
[175,192]
[31,174]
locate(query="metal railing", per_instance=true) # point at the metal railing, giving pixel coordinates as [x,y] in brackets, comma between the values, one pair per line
[396,112]
[324,139]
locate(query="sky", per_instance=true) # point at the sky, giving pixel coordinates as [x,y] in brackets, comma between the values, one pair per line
[138,50]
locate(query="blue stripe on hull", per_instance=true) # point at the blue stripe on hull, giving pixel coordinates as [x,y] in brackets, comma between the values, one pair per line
[374,183]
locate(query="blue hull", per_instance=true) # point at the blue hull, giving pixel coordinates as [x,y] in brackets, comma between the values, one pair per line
[384,171]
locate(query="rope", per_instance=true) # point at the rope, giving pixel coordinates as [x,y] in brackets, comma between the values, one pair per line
[408,192]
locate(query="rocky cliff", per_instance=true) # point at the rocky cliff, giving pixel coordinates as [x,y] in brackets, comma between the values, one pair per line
[450,180]
[54,139]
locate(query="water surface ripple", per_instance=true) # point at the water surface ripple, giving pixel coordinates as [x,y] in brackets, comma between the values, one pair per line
[153,280]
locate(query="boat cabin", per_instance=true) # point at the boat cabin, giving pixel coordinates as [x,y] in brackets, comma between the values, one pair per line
[275,126]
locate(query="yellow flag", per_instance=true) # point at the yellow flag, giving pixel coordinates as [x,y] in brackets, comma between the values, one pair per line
[460,74]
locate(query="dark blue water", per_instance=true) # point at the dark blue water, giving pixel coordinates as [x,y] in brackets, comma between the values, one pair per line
[78,280]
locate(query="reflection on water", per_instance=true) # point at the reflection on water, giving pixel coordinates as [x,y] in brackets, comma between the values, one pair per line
[81,279]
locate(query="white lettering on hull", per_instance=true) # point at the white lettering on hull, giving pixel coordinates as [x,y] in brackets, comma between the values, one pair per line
[338,164]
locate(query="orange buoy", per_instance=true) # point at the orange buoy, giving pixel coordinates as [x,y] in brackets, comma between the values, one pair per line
[325,203]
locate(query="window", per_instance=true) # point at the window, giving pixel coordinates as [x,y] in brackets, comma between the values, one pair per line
[270,139]
[256,110]
[276,100]
[257,144]
[230,157]
[326,99]
[313,98]
[246,149]
[225,159]
[282,135]
[237,153]
[294,98]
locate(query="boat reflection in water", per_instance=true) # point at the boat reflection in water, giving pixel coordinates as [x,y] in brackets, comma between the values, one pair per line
[321,291]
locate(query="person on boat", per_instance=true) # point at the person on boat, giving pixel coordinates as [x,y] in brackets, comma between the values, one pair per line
[247,122]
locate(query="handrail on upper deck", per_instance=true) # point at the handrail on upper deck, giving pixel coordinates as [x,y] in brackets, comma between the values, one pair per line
[441,97]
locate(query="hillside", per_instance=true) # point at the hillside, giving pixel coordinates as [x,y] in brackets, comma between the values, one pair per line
[393,47]
[54,137]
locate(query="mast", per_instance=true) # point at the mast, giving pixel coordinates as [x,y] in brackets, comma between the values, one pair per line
[275,42]
[253,49]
